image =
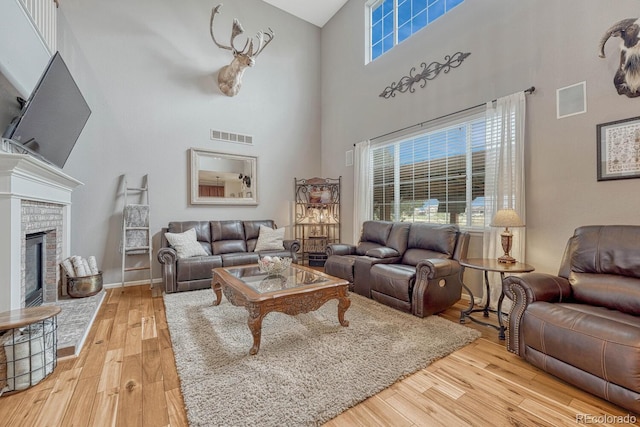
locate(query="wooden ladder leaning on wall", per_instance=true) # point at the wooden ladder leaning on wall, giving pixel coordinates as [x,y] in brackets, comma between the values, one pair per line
[136,235]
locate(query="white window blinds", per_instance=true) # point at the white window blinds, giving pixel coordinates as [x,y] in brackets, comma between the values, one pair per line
[434,176]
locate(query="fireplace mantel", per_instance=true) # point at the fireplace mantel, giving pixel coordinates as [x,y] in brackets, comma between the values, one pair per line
[23,177]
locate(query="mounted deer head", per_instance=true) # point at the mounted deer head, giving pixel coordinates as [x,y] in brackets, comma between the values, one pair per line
[230,76]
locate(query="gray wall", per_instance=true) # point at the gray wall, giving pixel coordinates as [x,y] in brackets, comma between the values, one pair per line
[147,69]
[513,45]
[9,107]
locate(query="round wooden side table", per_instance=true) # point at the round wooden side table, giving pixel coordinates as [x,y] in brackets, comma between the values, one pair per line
[489,265]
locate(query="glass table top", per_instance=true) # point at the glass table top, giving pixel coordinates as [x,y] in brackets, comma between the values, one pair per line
[290,278]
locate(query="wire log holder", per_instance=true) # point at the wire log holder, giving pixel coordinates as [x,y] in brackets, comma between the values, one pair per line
[27,355]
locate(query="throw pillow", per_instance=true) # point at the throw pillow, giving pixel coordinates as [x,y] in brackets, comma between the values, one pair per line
[270,239]
[186,244]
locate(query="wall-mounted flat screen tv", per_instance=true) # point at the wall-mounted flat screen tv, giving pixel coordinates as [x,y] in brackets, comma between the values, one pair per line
[53,117]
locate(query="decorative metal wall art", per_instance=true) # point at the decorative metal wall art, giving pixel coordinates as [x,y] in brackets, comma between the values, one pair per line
[627,78]
[429,72]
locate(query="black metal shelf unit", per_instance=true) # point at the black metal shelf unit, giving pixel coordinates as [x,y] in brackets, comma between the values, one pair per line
[317,217]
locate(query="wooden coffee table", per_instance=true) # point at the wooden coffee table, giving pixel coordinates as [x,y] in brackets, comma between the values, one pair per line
[296,290]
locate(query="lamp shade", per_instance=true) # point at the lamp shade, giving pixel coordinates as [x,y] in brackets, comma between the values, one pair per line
[506,218]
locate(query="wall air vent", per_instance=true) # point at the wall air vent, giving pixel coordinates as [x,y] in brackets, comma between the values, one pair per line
[231,137]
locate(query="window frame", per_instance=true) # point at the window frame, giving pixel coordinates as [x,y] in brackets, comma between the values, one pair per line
[368,15]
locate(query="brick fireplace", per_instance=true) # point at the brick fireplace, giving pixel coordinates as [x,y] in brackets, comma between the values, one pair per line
[35,198]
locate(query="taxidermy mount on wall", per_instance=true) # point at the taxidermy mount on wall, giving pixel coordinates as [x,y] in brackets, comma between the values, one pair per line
[230,76]
[627,77]
[246,180]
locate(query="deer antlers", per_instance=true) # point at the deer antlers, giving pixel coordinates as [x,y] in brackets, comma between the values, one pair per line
[263,38]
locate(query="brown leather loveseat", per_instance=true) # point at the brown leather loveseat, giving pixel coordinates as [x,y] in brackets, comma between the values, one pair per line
[226,243]
[583,325]
[413,267]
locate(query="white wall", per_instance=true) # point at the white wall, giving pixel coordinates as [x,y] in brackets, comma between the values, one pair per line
[513,45]
[147,69]
[9,107]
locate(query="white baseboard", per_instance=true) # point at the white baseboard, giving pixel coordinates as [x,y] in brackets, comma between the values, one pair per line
[131,283]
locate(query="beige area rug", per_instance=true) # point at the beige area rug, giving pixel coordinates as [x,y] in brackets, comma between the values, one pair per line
[309,368]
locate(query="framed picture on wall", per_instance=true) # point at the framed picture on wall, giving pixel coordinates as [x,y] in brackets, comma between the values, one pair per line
[619,149]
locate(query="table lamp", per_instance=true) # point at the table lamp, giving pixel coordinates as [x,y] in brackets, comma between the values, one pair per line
[506,218]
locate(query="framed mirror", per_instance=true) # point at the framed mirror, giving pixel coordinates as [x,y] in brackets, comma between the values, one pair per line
[222,179]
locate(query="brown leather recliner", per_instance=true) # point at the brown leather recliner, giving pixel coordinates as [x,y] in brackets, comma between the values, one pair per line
[380,242]
[427,279]
[583,325]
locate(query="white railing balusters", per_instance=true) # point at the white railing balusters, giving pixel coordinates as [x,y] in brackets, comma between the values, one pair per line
[43,16]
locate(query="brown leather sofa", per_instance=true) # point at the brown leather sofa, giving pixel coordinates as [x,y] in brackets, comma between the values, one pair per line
[413,267]
[226,243]
[582,325]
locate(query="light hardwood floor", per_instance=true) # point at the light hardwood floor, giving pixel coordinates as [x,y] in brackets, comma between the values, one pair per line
[126,376]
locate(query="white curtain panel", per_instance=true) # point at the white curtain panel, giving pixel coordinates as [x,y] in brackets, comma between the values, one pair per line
[504,179]
[362,188]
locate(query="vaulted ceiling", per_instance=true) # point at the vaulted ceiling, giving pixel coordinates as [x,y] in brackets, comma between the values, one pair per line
[317,12]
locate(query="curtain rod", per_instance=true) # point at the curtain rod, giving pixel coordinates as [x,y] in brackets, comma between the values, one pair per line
[529,90]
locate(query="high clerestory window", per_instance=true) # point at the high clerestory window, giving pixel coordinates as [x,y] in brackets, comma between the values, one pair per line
[392,21]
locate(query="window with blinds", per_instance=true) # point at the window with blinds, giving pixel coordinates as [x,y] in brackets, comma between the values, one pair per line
[436,176]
